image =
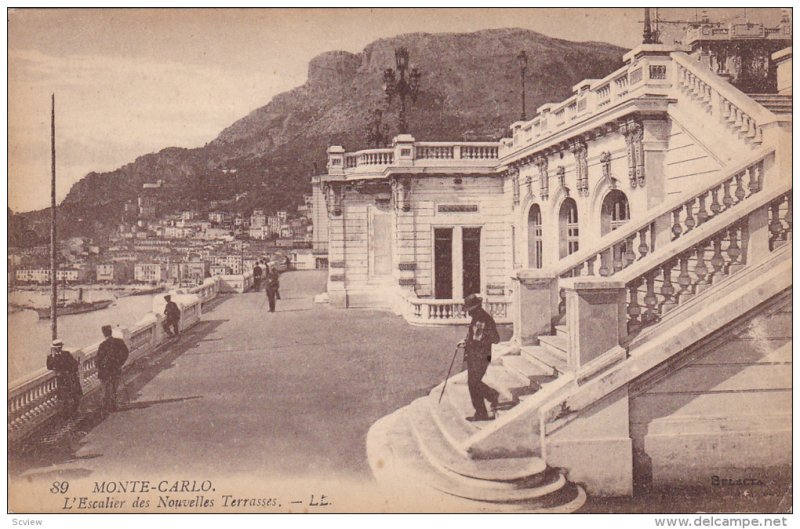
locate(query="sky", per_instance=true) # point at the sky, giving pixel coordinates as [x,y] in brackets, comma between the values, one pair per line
[131,82]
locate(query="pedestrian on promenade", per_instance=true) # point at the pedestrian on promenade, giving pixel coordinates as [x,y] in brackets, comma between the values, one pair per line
[68,383]
[272,288]
[111,356]
[275,278]
[256,276]
[477,346]
[173,316]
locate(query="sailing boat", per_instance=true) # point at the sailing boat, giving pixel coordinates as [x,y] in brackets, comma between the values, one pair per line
[74,307]
[60,307]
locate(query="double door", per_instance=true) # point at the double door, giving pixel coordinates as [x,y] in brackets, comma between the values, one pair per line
[457,262]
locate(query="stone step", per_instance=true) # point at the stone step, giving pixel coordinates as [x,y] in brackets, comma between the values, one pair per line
[504,472]
[402,463]
[556,345]
[563,331]
[533,372]
[450,414]
[510,385]
[542,356]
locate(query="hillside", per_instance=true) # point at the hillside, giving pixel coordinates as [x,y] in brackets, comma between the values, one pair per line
[470,86]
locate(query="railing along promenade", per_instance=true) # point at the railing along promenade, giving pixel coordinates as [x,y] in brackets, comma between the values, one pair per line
[33,400]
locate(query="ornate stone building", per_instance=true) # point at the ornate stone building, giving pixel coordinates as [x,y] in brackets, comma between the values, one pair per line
[638,236]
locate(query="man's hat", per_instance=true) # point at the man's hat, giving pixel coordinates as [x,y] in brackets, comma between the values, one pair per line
[57,343]
[168,297]
[473,301]
[106,328]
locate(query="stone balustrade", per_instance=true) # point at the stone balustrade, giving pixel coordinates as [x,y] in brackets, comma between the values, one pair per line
[654,70]
[410,153]
[33,400]
[603,314]
[712,252]
[634,241]
[451,311]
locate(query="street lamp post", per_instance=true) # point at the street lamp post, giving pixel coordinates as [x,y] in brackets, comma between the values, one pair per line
[377,131]
[401,87]
[522,58]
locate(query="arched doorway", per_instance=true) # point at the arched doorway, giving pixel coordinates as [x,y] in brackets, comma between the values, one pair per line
[568,228]
[614,212]
[535,237]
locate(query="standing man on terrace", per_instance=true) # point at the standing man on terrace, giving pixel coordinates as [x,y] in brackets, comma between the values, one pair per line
[68,383]
[257,276]
[111,356]
[173,317]
[272,288]
[477,346]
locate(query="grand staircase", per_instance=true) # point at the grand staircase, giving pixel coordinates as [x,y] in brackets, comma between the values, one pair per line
[694,266]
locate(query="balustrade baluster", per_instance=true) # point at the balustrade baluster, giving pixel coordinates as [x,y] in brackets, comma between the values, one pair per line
[700,269]
[740,192]
[775,225]
[677,229]
[702,214]
[650,300]
[667,290]
[630,255]
[727,199]
[590,265]
[754,172]
[690,222]
[684,280]
[734,251]
[717,261]
[605,270]
[788,218]
[644,248]
[715,207]
[562,304]
[618,251]
[634,309]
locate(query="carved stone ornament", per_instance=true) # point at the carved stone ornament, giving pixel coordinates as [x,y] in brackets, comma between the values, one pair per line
[605,165]
[544,178]
[401,192]
[515,184]
[333,199]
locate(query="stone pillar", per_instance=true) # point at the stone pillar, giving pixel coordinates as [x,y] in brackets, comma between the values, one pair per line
[535,305]
[335,160]
[755,244]
[595,318]
[458,263]
[403,150]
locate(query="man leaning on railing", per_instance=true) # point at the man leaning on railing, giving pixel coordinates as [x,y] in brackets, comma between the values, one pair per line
[68,384]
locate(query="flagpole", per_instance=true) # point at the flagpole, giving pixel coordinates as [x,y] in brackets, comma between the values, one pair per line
[53,265]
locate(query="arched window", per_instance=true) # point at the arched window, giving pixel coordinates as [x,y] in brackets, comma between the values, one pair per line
[615,211]
[535,237]
[568,228]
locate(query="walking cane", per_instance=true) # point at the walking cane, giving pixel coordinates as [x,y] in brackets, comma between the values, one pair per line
[448,373]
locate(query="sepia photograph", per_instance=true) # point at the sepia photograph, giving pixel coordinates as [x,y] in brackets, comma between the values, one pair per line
[400,260]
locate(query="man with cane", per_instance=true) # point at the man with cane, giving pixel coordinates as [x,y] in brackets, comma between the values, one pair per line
[477,346]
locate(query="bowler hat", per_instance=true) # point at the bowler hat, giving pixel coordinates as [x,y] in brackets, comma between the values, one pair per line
[473,301]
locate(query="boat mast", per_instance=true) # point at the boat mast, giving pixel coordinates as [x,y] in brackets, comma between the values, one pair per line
[53,266]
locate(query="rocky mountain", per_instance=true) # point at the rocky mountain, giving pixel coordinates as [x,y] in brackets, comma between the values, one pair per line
[470,88]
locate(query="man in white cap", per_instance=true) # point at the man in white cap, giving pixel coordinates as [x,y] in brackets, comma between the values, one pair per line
[477,346]
[68,384]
